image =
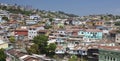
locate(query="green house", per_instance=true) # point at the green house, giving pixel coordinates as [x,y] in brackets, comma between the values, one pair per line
[109,55]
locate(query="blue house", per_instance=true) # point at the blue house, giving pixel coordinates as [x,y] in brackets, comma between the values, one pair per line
[91,33]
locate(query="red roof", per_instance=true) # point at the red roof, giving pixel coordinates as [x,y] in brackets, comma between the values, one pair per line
[93,30]
[21,32]
[115,48]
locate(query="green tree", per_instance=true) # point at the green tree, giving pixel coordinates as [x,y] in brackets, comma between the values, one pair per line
[48,26]
[42,46]
[73,58]
[102,18]
[106,18]
[2,55]
[117,23]
[117,17]
[5,18]
[4,7]
[61,27]
[51,49]
[34,49]
[41,41]
[12,39]
[50,19]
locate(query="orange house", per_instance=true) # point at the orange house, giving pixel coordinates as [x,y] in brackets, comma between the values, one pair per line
[99,23]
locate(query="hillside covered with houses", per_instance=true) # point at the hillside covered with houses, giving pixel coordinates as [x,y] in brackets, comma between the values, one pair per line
[28,34]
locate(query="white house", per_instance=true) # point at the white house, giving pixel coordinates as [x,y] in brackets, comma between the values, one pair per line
[4,13]
[76,22]
[33,19]
[3,44]
[51,41]
[117,38]
[60,41]
[33,31]
[31,22]
[60,50]
[61,32]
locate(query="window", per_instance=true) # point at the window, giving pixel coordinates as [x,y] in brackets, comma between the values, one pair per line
[76,42]
[77,51]
[105,58]
[73,50]
[108,57]
[83,51]
[111,58]
[88,37]
[81,32]
[56,50]
[30,29]
[117,39]
[97,22]
[34,29]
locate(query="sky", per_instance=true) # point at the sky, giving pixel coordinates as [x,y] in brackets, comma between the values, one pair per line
[78,7]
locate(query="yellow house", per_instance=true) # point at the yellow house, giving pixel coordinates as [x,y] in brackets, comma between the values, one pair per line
[3,44]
